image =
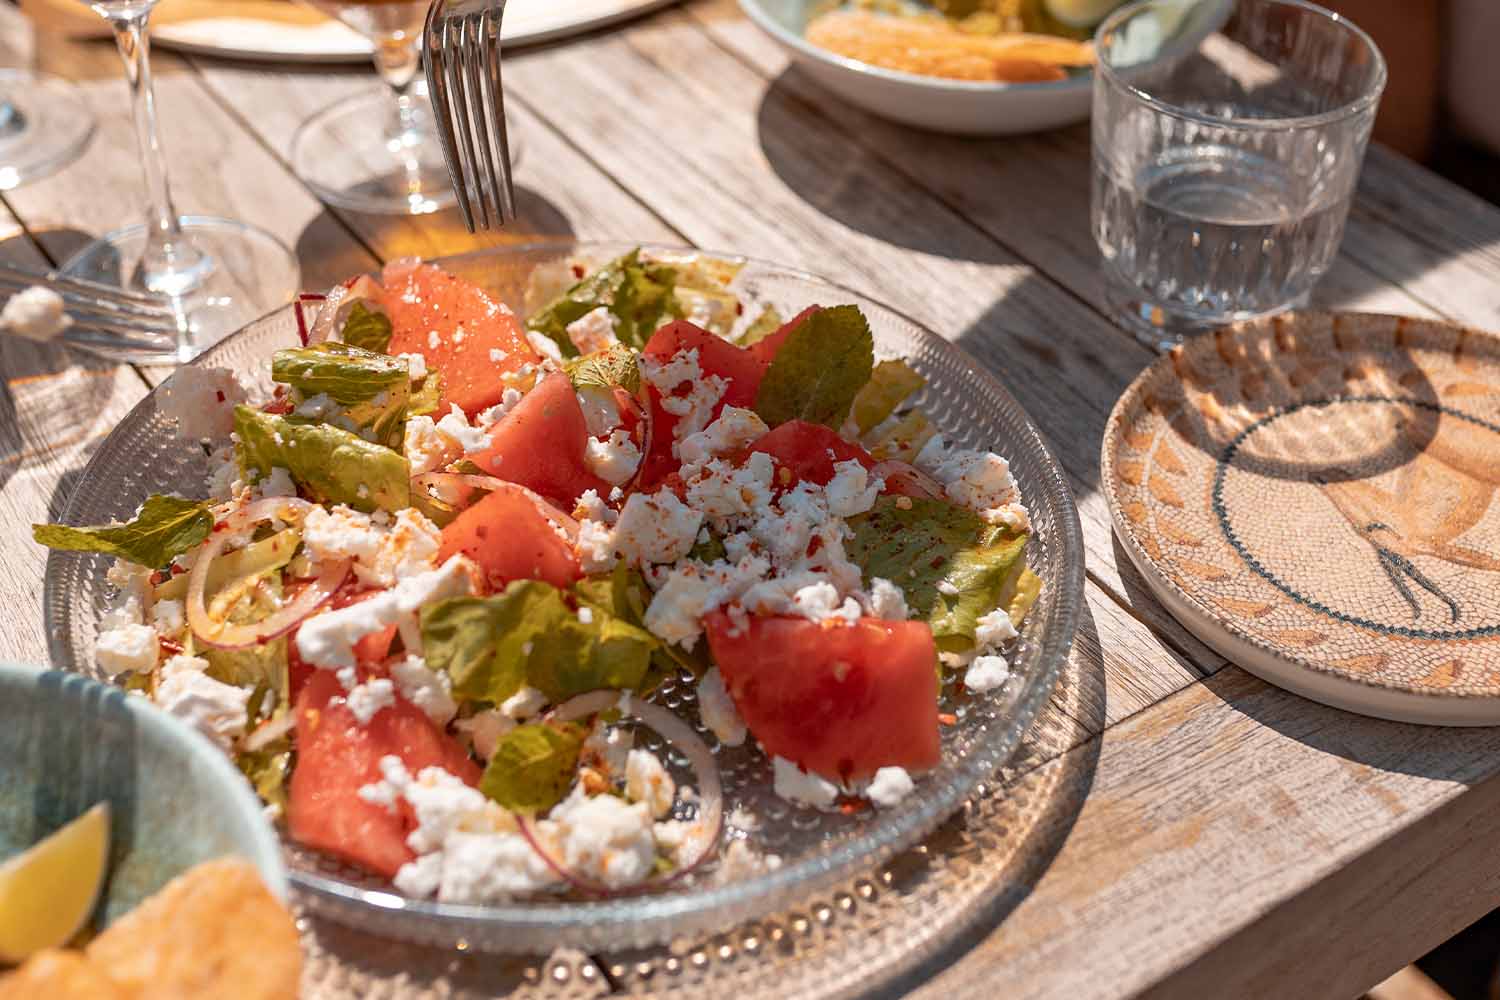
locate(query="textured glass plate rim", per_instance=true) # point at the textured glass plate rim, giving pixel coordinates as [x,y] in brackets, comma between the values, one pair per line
[659,917]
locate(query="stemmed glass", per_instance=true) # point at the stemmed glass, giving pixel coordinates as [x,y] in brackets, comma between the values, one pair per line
[44,124]
[218,273]
[378,151]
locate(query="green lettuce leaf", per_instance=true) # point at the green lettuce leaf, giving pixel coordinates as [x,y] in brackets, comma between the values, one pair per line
[953,567]
[268,771]
[613,366]
[367,328]
[425,396]
[902,439]
[533,766]
[623,593]
[702,291]
[891,384]
[264,667]
[372,390]
[1021,592]
[329,463]
[767,323]
[638,294]
[530,634]
[819,369]
[165,528]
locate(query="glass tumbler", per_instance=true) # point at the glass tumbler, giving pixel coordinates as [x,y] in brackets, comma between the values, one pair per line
[1227,140]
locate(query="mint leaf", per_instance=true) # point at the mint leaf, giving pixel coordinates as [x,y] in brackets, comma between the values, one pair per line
[165,528]
[952,565]
[371,390]
[531,634]
[819,369]
[533,766]
[624,594]
[613,366]
[367,328]
[637,294]
[891,383]
[331,465]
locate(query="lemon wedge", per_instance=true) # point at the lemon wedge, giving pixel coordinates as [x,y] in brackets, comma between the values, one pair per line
[49,890]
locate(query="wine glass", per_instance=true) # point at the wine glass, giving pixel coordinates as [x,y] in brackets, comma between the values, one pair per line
[219,274]
[378,151]
[44,125]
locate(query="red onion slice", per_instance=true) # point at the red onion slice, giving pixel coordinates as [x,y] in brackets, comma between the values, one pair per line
[223,635]
[641,405]
[338,302]
[302,327]
[270,731]
[704,835]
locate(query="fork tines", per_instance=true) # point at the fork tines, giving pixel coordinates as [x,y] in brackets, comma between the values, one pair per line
[462,58]
[91,302]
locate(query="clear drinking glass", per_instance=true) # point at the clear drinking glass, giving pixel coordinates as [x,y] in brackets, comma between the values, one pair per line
[219,274]
[44,125]
[1227,139]
[378,151]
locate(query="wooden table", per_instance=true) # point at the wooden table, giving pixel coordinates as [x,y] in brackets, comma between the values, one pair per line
[1208,835]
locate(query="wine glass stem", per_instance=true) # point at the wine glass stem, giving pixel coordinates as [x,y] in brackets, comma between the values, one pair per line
[170,264]
[397,60]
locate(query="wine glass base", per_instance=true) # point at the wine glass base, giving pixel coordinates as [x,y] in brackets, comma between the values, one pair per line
[248,273]
[1162,328]
[351,159]
[44,125]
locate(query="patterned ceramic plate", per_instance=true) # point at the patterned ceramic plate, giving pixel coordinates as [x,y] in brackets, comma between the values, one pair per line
[1312,496]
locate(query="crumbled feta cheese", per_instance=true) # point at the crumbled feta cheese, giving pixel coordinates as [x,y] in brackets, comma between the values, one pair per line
[215,709]
[490,867]
[593,331]
[492,416]
[886,600]
[428,689]
[614,459]
[223,473]
[485,730]
[851,491]
[498,356]
[127,649]
[722,490]
[416,365]
[347,677]
[524,703]
[169,617]
[994,629]
[545,346]
[656,528]
[367,699]
[792,783]
[607,749]
[979,480]
[889,786]
[132,581]
[316,407]
[591,508]
[741,861]
[433,340]
[986,673]
[668,375]
[695,408]
[327,640]
[201,399]
[35,313]
[717,709]
[278,484]
[1012,516]
[456,426]
[820,602]
[647,781]
[600,411]
[382,553]
[426,448]
[692,590]
[735,428]
[595,546]
[605,839]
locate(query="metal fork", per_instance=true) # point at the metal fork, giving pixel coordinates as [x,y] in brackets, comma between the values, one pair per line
[102,314]
[461,53]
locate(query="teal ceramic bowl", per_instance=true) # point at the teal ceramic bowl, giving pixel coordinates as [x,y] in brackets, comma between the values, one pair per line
[67,742]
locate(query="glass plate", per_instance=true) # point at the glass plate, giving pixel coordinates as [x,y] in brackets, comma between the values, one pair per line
[143,456]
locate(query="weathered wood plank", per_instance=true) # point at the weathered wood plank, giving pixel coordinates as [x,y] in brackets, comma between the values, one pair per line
[56,405]
[766,176]
[1261,845]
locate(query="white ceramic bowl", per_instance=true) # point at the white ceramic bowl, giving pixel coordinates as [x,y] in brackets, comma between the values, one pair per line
[958,106]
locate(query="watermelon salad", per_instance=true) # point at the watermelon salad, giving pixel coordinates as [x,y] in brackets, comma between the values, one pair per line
[441,571]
